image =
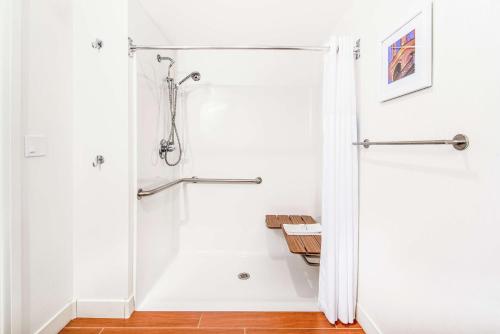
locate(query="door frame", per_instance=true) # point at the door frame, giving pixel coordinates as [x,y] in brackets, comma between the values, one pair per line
[10,169]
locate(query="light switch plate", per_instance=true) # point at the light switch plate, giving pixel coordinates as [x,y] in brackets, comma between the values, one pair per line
[35,146]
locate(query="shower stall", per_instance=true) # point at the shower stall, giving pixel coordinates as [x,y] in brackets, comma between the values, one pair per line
[251,117]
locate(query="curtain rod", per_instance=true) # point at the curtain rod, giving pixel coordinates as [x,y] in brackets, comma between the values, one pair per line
[133,48]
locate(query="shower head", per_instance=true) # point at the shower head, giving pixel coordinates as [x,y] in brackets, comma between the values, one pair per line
[196,76]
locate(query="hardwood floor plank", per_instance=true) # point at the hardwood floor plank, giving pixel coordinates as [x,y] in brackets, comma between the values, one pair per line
[264,320]
[338,324]
[172,331]
[213,323]
[81,331]
[143,319]
[302,331]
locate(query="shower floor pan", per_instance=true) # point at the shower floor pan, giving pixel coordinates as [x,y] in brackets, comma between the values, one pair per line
[234,282]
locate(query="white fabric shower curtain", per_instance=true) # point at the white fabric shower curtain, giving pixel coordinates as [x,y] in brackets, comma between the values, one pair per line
[339,244]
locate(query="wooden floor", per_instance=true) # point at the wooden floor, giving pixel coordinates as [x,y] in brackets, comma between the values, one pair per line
[212,323]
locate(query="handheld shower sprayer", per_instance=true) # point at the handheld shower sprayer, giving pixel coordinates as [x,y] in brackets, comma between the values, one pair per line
[167,146]
[196,76]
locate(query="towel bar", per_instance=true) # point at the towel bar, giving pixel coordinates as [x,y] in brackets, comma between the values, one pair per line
[460,142]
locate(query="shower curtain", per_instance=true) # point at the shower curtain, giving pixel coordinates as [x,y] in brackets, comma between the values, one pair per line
[339,244]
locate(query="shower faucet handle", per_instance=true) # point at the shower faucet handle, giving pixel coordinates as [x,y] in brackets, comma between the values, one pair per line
[166,146]
[163,148]
[170,147]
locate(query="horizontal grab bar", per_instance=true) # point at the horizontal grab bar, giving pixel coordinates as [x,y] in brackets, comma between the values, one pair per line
[141,192]
[460,142]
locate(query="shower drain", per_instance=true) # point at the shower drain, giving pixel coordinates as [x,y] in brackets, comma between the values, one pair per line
[243,276]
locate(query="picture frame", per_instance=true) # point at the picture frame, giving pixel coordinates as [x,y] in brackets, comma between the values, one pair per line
[406,56]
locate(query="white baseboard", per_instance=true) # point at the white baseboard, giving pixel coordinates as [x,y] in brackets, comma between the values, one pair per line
[58,321]
[121,309]
[129,307]
[366,321]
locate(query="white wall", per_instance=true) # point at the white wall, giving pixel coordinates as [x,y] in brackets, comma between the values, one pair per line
[252,114]
[155,234]
[61,93]
[225,22]
[6,31]
[102,216]
[429,215]
[11,310]
[47,182]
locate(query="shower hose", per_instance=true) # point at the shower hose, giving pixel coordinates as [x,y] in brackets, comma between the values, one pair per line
[174,134]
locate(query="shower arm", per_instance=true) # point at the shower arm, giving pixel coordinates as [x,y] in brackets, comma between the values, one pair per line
[172,62]
[142,193]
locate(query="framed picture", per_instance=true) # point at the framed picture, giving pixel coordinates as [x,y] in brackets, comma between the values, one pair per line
[406,56]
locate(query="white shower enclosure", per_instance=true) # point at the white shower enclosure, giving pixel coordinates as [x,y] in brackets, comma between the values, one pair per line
[252,114]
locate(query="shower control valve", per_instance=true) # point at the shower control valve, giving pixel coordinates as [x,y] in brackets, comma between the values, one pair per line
[166,146]
[163,148]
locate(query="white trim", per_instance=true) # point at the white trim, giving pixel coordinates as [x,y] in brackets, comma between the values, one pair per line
[133,171]
[58,321]
[129,307]
[11,176]
[367,322]
[105,308]
[5,151]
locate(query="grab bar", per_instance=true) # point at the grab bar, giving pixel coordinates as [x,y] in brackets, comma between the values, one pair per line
[141,192]
[460,142]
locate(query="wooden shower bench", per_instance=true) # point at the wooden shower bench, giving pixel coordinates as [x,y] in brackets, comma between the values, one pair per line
[308,246]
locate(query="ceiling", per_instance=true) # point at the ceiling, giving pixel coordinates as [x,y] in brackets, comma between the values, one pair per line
[237,22]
